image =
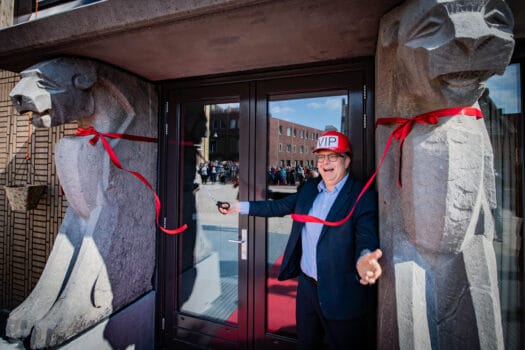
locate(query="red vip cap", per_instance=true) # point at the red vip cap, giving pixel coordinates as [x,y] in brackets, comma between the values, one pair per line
[333,141]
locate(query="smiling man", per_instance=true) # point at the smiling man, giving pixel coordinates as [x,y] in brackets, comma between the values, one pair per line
[335,259]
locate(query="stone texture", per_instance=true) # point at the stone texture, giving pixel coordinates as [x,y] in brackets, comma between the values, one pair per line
[437,230]
[104,254]
[208,36]
[411,305]
[131,328]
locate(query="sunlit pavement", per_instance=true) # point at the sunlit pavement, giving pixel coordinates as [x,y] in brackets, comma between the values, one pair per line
[208,194]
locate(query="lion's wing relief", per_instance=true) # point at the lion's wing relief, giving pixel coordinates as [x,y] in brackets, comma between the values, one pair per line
[79,167]
[441,195]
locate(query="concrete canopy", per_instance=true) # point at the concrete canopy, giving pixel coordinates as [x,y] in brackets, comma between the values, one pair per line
[164,39]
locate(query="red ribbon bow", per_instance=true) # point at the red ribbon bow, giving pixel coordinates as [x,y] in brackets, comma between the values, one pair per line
[91,131]
[400,133]
[405,126]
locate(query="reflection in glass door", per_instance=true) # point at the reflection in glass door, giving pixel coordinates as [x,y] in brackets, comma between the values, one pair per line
[295,124]
[502,109]
[209,275]
[248,140]
[203,300]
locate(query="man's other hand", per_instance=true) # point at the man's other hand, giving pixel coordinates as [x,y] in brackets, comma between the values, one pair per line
[368,267]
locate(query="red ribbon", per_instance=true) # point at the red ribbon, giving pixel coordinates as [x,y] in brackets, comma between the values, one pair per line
[405,126]
[91,131]
[400,133]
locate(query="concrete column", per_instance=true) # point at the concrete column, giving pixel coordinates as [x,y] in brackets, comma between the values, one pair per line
[6,13]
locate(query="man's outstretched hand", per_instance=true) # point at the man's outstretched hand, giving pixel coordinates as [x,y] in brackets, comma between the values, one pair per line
[229,209]
[368,267]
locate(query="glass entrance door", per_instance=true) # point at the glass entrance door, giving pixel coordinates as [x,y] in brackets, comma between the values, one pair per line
[295,124]
[208,279]
[204,284]
[250,140]
[293,114]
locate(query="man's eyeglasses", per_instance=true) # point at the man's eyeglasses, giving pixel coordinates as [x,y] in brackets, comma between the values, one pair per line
[332,157]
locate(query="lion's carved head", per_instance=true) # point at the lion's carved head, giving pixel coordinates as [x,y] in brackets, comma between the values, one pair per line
[435,54]
[56,91]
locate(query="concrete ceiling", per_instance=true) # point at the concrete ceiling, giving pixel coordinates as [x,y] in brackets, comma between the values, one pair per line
[165,39]
[161,39]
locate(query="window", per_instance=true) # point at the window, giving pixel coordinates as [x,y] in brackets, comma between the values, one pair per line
[65,4]
[280,131]
[288,148]
[288,131]
[26,10]
[503,116]
[42,4]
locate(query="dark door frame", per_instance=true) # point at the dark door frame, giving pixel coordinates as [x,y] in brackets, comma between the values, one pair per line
[254,86]
[353,81]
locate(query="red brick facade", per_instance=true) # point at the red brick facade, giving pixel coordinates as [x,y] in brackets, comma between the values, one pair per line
[291,143]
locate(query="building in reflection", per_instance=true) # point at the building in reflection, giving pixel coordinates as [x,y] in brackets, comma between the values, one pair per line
[222,141]
[291,144]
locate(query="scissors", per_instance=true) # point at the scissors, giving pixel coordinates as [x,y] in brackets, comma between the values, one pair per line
[220,204]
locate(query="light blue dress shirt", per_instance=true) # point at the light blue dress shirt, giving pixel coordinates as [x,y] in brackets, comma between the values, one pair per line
[311,231]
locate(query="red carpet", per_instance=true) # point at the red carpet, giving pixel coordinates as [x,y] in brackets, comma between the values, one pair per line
[280,301]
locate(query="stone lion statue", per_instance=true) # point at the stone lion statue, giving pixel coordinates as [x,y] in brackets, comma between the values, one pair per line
[439,288]
[103,257]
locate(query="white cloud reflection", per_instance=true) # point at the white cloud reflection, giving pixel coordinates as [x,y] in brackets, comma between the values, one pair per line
[316,112]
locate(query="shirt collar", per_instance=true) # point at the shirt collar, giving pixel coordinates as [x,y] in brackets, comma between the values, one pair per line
[322,187]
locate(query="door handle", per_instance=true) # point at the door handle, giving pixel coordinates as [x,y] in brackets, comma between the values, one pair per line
[237,241]
[242,242]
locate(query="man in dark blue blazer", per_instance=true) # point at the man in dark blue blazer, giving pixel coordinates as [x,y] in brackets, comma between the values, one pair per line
[334,253]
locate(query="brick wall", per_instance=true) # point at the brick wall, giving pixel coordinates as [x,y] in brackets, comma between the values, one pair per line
[294,155]
[26,238]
